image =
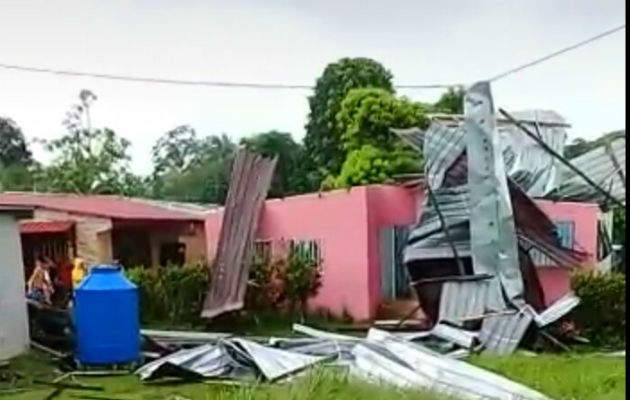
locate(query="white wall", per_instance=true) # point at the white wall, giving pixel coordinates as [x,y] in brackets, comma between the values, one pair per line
[14,335]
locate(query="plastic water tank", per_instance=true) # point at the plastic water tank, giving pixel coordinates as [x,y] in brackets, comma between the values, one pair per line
[107,318]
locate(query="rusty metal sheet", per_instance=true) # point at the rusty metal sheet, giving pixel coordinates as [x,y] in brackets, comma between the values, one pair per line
[249,184]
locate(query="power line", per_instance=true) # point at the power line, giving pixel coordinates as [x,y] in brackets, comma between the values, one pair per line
[168,81]
[557,53]
[130,78]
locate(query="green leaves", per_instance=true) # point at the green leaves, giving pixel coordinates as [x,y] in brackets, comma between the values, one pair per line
[290,176]
[89,162]
[170,293]
[367,115]
[13,148]
[602,313]
[323,138]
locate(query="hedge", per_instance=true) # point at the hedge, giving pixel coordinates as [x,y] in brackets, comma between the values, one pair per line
[601,316]
[173,293]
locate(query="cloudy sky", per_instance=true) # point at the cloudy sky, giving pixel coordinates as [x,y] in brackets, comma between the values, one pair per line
[290,41]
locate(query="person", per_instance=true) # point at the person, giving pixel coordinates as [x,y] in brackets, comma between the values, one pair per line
[78,272]
[39,286]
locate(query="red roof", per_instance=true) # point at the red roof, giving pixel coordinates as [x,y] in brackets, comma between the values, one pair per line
[34,226]
[115,207]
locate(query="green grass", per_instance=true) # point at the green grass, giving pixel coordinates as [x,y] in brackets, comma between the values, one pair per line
[576,377]
[564,377]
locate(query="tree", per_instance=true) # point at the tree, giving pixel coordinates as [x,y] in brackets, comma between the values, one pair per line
[323,139]
[375,154]
[188,168]
[175,150]
[370,164]
[13,148]
[290,175]
[87,160]
[367,116]
[451,102]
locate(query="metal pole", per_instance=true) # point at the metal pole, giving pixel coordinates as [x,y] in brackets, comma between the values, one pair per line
[559,157]
[460,265]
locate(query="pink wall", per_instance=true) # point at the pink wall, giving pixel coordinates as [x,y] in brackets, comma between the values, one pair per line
[556,282]
[347,225]
[388,206]
[585,216]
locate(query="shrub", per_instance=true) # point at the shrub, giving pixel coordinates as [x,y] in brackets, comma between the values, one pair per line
[601,316]
[172,293]
[302,279]
[285,283]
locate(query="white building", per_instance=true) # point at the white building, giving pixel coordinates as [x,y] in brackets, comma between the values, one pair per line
[14,334]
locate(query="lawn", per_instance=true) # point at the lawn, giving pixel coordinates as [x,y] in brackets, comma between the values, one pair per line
[572,377]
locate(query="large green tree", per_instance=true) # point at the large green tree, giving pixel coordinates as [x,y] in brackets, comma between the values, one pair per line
[374,153]
[190,168]
[323,138]
[367,116]
[13,147]
[89,160]
[450,102]
[17,168]
[290,175]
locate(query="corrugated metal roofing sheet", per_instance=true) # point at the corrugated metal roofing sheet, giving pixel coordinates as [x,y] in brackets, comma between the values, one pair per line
[34,226]
[598,165]
[249,183]
[463,300]
[104,206]
[501,333]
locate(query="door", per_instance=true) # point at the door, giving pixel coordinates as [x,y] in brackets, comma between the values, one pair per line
[394,277]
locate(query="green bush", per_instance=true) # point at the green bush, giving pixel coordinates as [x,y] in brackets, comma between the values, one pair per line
[601,316]
[284,283]
[173,293]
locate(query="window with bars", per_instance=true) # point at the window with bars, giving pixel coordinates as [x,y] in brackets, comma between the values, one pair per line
[262,250]
[309,249]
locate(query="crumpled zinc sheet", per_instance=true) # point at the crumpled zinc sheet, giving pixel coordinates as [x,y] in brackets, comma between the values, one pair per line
[380,358]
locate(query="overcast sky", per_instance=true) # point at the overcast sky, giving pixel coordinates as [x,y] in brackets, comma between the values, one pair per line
[291,41]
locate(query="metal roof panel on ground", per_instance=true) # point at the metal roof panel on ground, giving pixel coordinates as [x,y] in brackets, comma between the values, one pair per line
[115,207]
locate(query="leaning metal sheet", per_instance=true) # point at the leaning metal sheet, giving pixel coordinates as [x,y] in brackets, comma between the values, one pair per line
[249,182]
[492,229]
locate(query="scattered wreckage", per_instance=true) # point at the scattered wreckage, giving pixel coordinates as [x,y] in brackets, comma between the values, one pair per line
[381,358]
[468,258]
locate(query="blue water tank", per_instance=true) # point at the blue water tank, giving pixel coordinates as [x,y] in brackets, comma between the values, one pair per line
[107,318]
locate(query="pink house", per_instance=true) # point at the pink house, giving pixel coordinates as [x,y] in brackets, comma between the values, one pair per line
[354,233]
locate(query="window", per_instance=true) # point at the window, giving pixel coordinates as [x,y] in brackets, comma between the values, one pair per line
[306,248]
[566,233]
[262,250]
